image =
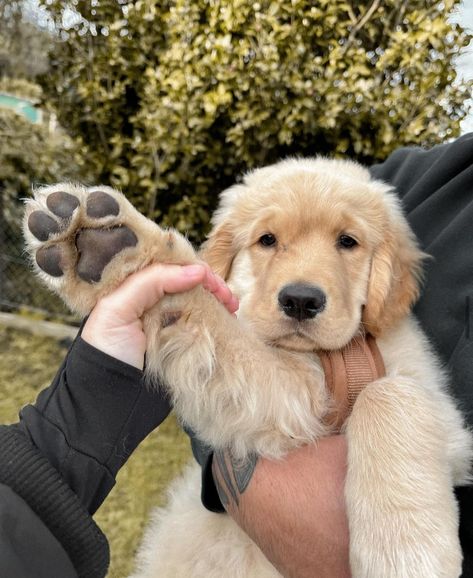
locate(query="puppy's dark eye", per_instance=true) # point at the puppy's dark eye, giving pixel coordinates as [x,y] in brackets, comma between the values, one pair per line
[267,240]
[346,242]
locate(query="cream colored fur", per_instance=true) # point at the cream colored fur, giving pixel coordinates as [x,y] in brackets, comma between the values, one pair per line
[254,384]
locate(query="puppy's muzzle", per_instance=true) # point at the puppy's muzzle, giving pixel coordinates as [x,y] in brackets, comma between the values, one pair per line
[301,301]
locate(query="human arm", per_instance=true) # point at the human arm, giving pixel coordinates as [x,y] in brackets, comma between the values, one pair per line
[60,461]
[294,508]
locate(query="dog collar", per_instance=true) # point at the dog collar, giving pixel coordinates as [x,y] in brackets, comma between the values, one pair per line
[347,372]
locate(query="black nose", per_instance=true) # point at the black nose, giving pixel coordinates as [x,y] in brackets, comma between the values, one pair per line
[301,301]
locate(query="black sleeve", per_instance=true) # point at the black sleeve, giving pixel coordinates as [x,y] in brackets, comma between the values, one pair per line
[39,498]
[63,456]
[27,546]
[91,418]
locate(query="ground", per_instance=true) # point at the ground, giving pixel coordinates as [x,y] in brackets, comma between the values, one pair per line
[27,364]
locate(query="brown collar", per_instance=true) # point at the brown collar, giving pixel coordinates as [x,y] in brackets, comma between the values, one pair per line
[348,371]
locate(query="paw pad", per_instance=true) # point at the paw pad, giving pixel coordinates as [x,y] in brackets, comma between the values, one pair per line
[62,204]
[49,260]
[42,225]
[74,241]
[97,247]
[100,204]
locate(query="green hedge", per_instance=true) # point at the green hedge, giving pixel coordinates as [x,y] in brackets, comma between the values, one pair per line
[171,100]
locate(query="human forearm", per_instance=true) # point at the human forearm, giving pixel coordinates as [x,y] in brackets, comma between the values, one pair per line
[91,418]
[294,509]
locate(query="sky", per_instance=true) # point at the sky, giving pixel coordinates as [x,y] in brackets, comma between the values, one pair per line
[464,17]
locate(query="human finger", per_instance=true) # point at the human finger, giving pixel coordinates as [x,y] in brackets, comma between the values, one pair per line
[218,287]
[143,289]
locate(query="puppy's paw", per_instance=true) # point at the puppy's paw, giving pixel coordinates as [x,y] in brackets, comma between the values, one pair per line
[84,242]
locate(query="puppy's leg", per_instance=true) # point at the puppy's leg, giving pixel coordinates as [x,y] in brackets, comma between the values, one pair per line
[402,512]
[85,242]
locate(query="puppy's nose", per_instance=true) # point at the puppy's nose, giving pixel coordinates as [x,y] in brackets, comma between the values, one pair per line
[301,301]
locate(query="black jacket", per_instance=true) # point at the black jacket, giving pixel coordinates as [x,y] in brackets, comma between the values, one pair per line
[59,463]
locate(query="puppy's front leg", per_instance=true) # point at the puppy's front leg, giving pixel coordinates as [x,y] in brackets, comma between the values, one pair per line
[402,512]
[232,389]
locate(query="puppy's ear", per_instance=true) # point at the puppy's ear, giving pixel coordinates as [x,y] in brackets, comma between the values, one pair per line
[395,277]
[219,250]
[221,246]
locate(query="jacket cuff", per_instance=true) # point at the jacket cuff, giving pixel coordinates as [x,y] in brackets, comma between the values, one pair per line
[31,476]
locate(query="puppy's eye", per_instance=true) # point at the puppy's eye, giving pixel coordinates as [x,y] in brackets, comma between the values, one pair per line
[267,240]
[346,242]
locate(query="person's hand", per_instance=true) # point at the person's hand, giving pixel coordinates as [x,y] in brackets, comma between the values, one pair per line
[115,325]
[293,508]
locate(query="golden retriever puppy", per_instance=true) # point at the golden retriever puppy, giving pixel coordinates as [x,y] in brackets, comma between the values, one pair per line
[318,253]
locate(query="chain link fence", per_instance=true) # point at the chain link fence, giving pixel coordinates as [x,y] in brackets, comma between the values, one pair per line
[20,289]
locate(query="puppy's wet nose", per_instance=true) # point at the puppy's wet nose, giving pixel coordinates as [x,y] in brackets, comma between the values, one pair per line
[301,301]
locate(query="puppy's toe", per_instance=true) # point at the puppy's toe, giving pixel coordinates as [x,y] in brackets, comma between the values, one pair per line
[62,204]
[49,259]
[100,204]
[42,225]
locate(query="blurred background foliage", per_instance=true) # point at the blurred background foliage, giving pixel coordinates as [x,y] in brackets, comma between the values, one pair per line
[171,100]
[30,154]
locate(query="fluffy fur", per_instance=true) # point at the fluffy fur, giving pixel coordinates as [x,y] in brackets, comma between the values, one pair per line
[254,383]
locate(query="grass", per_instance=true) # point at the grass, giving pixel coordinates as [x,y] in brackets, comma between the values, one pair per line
[27,364]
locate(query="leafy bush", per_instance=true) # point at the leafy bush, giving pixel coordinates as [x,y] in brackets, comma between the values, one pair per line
[31,155]
[171,100]
[21,88]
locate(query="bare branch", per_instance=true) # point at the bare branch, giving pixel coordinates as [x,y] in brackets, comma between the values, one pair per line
[361,22]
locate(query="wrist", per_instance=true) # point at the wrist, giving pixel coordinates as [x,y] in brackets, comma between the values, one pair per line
[124,342]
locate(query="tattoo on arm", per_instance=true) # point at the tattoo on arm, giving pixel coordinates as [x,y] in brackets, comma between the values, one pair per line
[232,476]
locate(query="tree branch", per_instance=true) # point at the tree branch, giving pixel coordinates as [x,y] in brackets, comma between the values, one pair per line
[361,22]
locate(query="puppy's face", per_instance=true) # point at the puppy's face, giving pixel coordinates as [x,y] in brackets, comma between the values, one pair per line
[302,275]
[303,240]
